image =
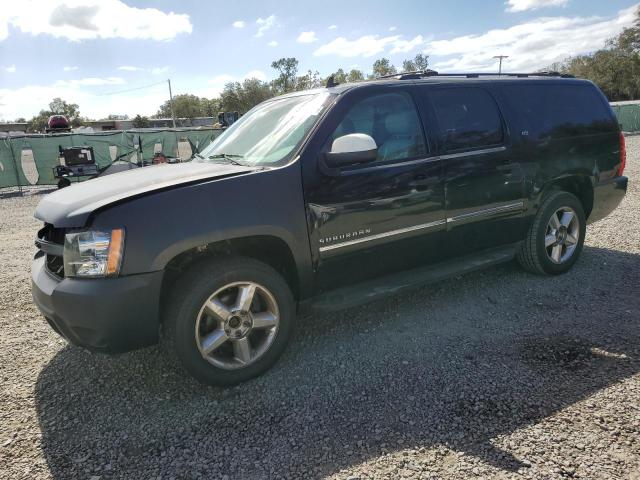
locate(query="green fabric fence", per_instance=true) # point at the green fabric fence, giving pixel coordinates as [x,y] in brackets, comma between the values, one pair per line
[628,115]
[30,159]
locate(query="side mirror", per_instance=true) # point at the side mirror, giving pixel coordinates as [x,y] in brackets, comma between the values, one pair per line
[351,149]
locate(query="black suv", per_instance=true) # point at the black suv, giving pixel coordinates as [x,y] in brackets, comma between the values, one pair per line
[324,199]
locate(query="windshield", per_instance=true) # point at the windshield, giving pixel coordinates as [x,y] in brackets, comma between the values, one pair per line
[269,133]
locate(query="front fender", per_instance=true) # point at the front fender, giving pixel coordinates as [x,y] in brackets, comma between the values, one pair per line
[161,225]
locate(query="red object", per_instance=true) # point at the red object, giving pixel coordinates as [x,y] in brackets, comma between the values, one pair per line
[58,122]
[623,155]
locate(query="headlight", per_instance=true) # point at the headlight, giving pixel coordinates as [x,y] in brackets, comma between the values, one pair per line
[93,254]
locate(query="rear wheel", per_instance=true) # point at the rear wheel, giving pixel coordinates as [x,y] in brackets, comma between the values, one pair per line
[229,320]
[556,237]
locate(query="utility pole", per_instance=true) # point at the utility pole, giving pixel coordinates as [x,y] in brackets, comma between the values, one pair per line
[501,57]
[173,116]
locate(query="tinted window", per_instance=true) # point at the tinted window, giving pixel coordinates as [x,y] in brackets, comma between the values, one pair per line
[558,111]
[468,118]
[391,120]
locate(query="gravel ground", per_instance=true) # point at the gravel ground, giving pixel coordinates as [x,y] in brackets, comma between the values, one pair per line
[496,374]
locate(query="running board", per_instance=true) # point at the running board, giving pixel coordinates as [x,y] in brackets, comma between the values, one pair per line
[389,285]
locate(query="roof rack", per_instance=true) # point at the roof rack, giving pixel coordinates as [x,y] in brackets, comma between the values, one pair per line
[432,73]
[411,75]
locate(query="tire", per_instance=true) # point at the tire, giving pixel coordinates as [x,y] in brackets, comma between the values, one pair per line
[188,325]
[534,256]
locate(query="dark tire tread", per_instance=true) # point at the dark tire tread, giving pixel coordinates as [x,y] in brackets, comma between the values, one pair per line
[529,254]
[187,291]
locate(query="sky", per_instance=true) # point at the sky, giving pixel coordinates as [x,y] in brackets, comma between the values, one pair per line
[114,56]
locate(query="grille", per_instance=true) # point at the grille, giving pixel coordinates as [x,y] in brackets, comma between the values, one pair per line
[54,263]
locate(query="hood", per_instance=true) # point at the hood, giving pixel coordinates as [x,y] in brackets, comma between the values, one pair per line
[71,206]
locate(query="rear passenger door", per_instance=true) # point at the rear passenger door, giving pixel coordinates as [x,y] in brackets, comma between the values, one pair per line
[484,183]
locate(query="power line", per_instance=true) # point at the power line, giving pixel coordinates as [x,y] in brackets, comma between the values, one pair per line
[131,89]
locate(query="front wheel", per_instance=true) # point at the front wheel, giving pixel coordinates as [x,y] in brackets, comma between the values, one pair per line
[556,237]
[229,320]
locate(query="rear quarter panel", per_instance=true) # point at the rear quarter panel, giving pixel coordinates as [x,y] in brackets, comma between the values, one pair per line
[591,152]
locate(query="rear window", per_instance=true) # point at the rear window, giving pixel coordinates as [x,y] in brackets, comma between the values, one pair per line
[468,118]
[557,111]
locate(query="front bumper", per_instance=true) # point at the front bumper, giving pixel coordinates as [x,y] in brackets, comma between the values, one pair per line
[607,196]
[108,315]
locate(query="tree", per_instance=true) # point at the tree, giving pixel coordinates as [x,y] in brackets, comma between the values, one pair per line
[309,80]
[419,63]
[69,110]
[242,97]
[287,74]
[339,76]
[184,106]
[140,122]
[615,68]
[38,123]
[382,67]
[117,117]
[355,76]
[209,107]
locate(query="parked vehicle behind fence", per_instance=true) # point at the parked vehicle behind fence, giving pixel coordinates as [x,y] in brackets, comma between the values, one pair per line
[324,199]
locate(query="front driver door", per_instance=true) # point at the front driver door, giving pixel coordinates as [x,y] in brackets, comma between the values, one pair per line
[383,216]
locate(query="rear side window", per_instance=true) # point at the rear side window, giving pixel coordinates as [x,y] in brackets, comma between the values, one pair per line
[468,118]
[391,119]
[558,111]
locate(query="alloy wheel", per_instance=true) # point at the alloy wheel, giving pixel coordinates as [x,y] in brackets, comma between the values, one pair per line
[562,235]
[237,325]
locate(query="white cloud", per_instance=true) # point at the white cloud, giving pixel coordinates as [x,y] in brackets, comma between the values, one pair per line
[265,24]
[10,69]
[90,82]
[70,68]
[332,27]
[78,20]
[239,24]
[154,70]
[272,43]
[307,37]
[159,70]
[531,45]
[368,46]
[259,74]
[393,29]
[221,79]
[27,101]
[405,46]
[524,5]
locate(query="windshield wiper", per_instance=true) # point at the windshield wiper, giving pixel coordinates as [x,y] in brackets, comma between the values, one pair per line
[229,157]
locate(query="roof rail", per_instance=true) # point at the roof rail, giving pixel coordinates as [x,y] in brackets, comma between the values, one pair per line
[411,75]
[432,73]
